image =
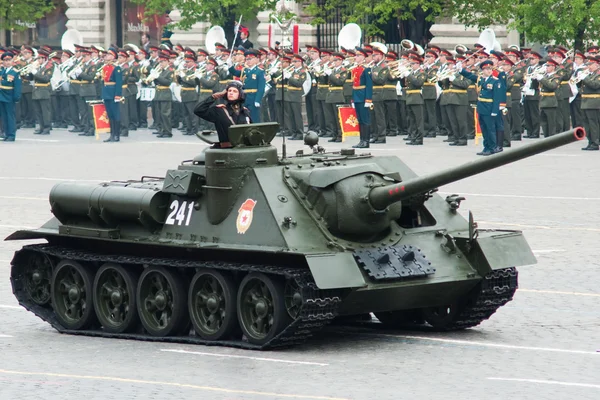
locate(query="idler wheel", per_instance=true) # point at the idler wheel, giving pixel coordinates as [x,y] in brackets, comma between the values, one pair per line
[261,306]
[441,317]
[37,278]
[115,298]
[212,302]
[161,302]
[72,296]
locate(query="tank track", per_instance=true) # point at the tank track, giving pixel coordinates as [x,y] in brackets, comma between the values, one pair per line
[496,289]
[319,307]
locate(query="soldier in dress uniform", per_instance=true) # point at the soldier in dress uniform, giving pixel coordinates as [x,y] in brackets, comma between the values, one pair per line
[76,100]
[189,96]
[272,67]
[349,57]
[430,94]
[132,89]
[41,93]
[380,74]
[207,85]
[390,98]
[590,103]
[10,94]
[254,83]
[578,66]
[456,102]
[123,106]
[296,76]
[513,103]
[112,90]
[488,104]
[27,113]
[62,94]
[313,112]
[415,78]
[87,91]
[154,62]
[531,102]
[164,96]
[362,96]
[143,71]
[506,66]
[337,77]
[564,71]
[326,129]
[549,86]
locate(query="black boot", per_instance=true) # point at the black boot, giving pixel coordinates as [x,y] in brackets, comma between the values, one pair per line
[499,142]
[117,136]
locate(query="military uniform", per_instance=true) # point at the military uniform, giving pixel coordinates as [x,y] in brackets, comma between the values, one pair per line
[87,93]
[362,98]
[455,102]
[132,92]
[189,98]
[590,104]
[488,107]
[549,87]
[429,102]
[322,80]
[335,97]
[222,115]
[41,97]
[164,100]
[381,75]
[531,105]
[207,85]
[123,105]
[26,104]
[293,101]
[254,86]
[112,90]
[414,106]
[10,94]
[563,117]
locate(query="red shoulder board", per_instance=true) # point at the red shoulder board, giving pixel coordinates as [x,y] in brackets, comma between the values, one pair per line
[49,65]
[136,63]
[170,68]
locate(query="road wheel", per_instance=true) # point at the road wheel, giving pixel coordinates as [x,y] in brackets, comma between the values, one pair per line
[261,307]
[114,298]
[212,302]
[72,296]
[161,302]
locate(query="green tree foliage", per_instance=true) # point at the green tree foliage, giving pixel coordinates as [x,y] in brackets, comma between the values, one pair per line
[15,14]
[218,12]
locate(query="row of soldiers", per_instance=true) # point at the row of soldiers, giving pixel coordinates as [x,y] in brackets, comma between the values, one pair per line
[412,94]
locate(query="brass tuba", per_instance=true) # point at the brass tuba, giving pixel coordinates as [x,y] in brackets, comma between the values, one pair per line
[350,36]
[215,35]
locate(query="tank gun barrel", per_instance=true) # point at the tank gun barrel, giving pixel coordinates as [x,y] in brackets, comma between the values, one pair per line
[383,196]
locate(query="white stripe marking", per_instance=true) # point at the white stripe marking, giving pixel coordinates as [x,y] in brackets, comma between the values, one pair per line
[549,251]
[41,178]
[22,198]
[11,307]
[5,336]
[517,196]
[38,140]
[17,227]
[558,292]
[277,360]
[586,385]
[549,228]
[482,344]
[185,143]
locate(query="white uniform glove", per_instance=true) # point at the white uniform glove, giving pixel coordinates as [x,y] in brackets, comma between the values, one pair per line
[452,78]
[287,74]
[256,104]
[494,115]
[459,66]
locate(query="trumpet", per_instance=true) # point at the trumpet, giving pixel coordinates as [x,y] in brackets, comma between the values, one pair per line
[26,70]
[154,73]
[580,75]
[445,74]
[199,72]
[537,73]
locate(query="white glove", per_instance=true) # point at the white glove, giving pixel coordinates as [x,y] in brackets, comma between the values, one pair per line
[368,105]
[34,71]
[452,78]
[405,75]
[229,62]
[287,74]
[256,104]
[494,115]
[182,74]
[352,104]
[459,66]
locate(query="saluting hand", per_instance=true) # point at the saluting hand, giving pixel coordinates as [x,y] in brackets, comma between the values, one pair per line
[220,94]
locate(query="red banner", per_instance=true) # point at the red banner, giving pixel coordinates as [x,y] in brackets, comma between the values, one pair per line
[478,133]
[348,121]
[101,122]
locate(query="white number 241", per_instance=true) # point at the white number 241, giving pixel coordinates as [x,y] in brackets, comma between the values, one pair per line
[180,214]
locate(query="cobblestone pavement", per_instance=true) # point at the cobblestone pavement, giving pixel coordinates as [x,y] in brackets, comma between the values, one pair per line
[542,345]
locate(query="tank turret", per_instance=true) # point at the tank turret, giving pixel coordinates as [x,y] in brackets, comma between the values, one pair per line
[361,201]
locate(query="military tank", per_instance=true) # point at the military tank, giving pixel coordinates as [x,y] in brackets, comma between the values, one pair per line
[239,247]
